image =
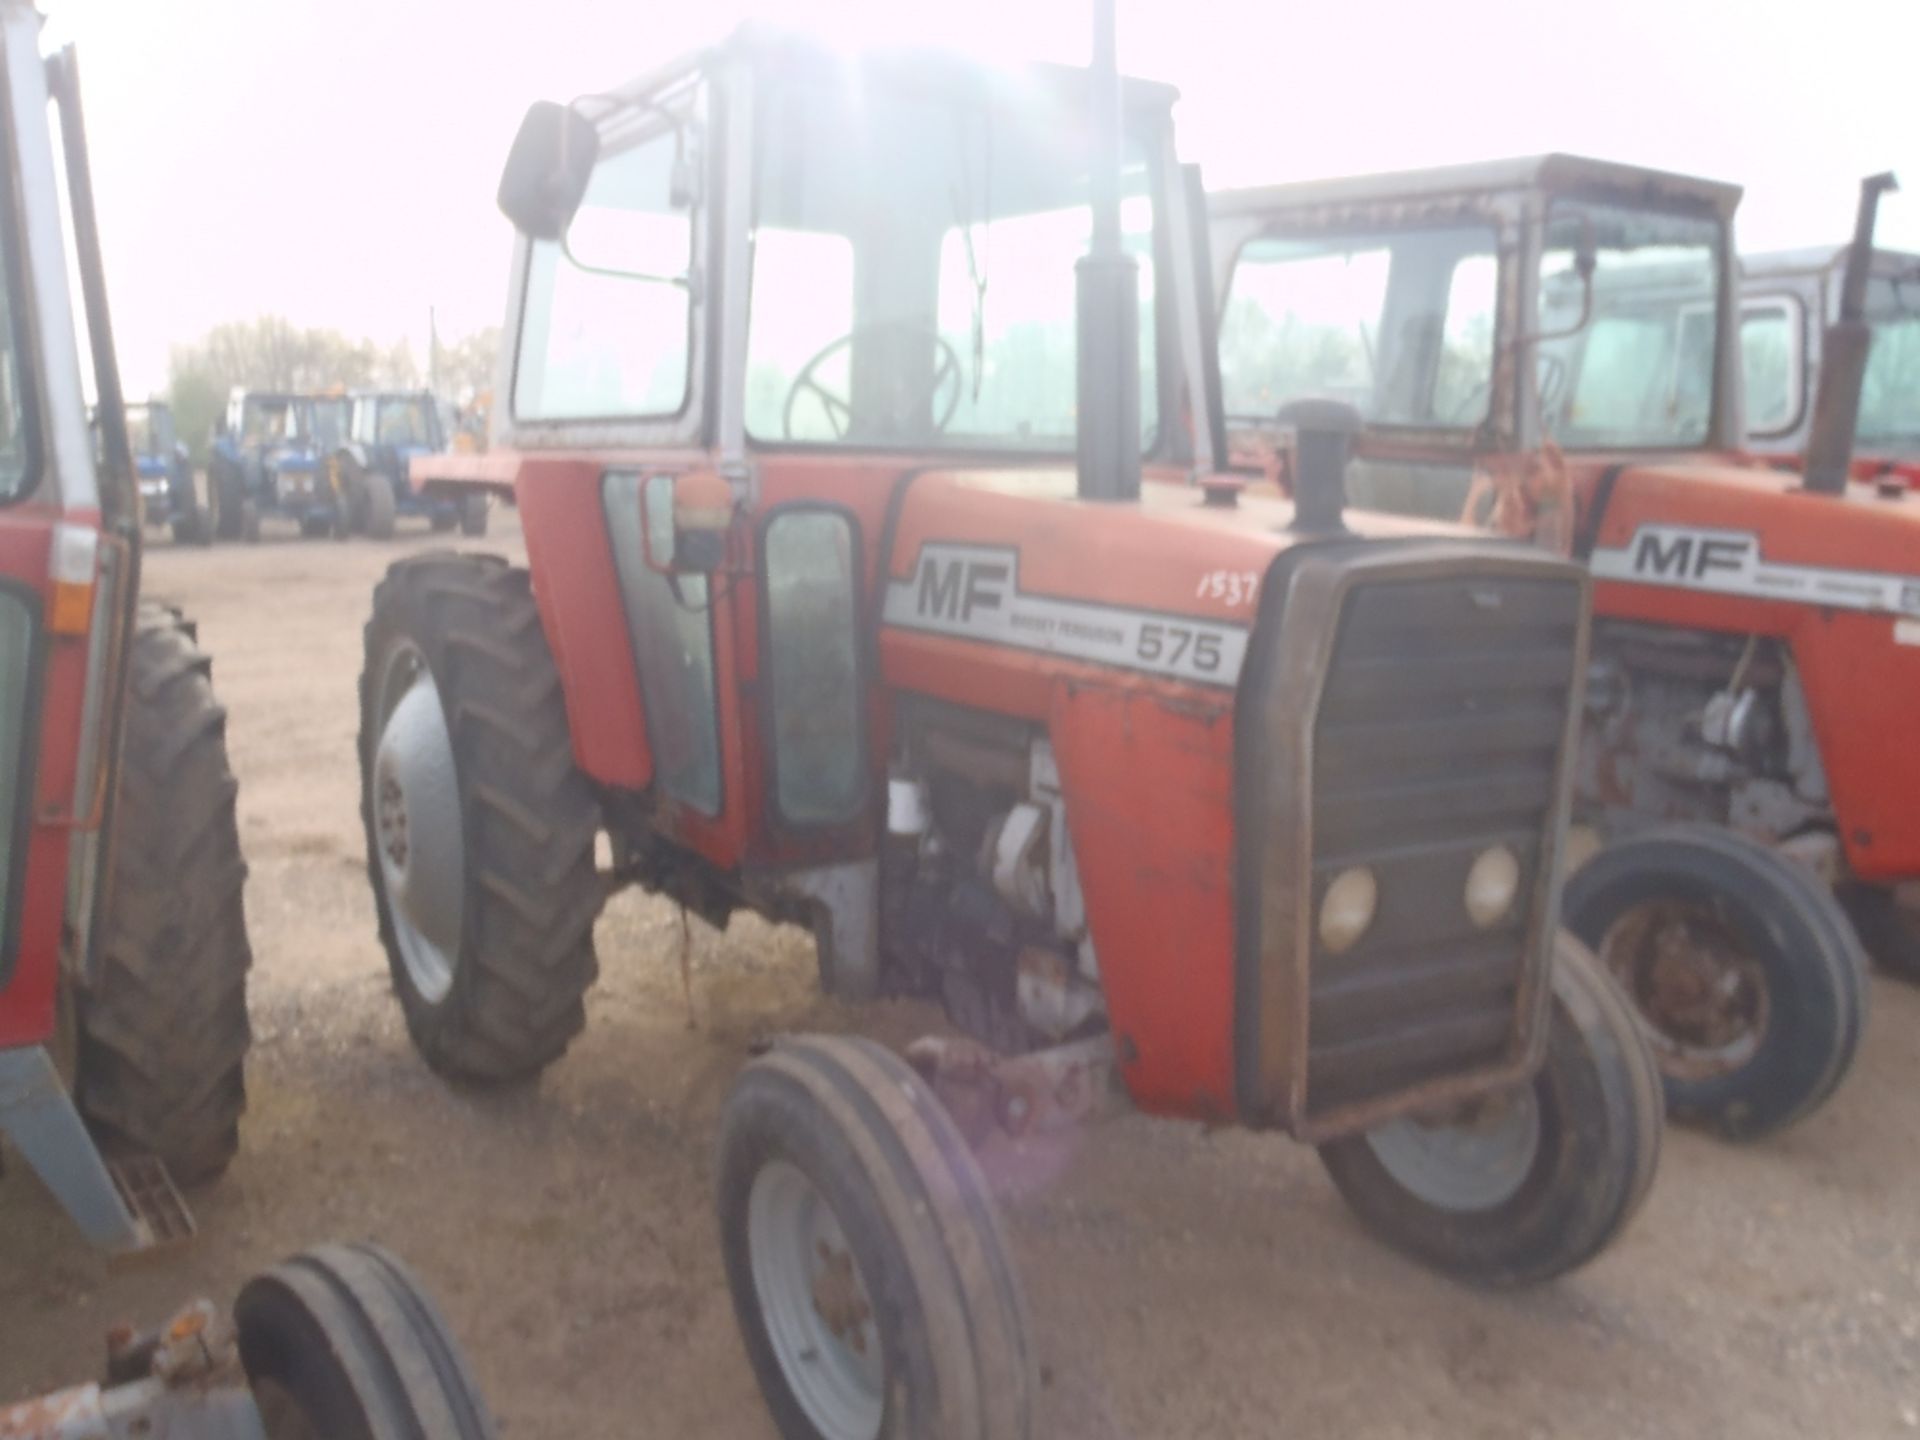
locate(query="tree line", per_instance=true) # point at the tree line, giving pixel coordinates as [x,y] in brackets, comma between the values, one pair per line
[272,353]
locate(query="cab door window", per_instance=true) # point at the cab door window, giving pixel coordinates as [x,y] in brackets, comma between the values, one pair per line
[813,660]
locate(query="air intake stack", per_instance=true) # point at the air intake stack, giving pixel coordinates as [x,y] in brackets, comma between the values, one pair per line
[1843,356]
[1108,296]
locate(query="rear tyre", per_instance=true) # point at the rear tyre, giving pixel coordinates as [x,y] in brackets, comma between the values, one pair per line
[869,1272]
[1889,933]
[162,1019]
[250,522]
[1744,971]
[1527,1186]
[227,488]
[473,515]
[480,831]
[342,1343]
[381,509]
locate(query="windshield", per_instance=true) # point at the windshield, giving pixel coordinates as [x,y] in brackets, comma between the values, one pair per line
[267,421]
[150,429]
[408,420]
[1398,324]
[328,419]
[1639,372]
[913,269]
[1890,394]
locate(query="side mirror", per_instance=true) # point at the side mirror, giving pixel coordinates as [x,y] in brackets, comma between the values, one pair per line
[684,521]
[548,169]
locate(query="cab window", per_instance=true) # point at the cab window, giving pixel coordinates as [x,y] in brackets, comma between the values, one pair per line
[607,328]
[1770,363]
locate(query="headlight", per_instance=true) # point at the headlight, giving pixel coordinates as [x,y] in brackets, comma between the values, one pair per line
[1492,885]
[1347,908]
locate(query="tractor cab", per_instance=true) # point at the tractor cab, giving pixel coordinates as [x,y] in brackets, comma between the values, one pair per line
[1787,300]
[1474,313]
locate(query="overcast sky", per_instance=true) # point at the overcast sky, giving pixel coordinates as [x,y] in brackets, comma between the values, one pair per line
[334,161]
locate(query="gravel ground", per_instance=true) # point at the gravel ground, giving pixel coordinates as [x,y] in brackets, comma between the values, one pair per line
[1182,1283]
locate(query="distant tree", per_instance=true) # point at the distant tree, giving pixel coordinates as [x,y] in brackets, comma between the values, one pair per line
[465,367]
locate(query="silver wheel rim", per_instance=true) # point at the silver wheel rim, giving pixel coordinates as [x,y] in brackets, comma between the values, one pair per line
[815,1305]
[417,829]
[1473,1159]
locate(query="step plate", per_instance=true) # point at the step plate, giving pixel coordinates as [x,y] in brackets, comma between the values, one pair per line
[149,1192]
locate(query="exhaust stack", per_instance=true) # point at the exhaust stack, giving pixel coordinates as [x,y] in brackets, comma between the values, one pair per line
[1323,435]
[1108,299]
[1843,356]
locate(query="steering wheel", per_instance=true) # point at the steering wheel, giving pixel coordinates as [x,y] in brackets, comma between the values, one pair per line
[901,405]
[1550,377]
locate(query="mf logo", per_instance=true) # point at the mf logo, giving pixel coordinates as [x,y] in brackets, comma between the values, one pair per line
[1688,555]
[954,587]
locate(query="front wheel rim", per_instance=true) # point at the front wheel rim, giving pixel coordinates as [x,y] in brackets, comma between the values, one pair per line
[1475,1158]
[815,1305]
[418,836]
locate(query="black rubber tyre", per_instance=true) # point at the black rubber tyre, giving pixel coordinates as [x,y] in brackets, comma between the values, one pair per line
[227,488]
[442,521]
[381,509]
[473,515]
[162,1019]
[932,1272]
[1600,1122]
[193,527]
[529,819]
[250,522]
[1890,934]
[342,1343]
[1799,961]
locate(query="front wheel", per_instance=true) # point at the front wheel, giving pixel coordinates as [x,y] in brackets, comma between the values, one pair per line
[870,1277]
[1518,1188]
[1745,972]
[342,1343]
[480,831]
[380,507]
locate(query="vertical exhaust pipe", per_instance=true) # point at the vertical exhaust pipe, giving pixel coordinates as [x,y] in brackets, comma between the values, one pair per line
[1843,355]
[1108,296]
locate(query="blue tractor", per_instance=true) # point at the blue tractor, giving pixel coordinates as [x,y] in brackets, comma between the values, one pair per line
[269,458]
[167,492]
[386,429]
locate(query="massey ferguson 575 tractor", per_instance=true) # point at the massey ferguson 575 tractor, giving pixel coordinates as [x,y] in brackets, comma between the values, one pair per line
[1552,345]
[846,604]
[123,946]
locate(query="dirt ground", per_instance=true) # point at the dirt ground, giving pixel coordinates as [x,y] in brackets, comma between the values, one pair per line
[1183,1284]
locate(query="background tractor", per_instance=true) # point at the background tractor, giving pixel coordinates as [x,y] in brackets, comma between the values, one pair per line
[269,458]
[1552,346]
[847,604]
[168,495]
[387,430]
[1788,298]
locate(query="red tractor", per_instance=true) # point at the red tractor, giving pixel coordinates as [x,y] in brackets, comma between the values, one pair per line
[877,586]
[123,942]
[1552,346]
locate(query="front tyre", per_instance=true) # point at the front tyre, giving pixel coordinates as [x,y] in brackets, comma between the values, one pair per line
[1519,1188]
[480,831]
[870,1277]
[1744,970]
[162,1016]
[342,1343]
[473,516]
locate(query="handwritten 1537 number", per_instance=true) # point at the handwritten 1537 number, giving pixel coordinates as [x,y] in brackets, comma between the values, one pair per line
[1235,587]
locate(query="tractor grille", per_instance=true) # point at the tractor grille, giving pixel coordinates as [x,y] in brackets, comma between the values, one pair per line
[1438,737]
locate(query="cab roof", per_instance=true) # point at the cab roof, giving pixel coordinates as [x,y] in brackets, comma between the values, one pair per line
[1532,172]
[766,43]
[1810,259]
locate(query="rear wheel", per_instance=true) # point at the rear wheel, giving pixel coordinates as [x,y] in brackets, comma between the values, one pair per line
[227,489]
[1744,971]
[250,522]
[869,1273]
[162,1019]
[1518,1188]
[381,509]
[342,1343]
[480,831]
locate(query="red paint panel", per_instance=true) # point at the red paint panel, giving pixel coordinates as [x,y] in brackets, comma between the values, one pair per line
[1862,687]
[1149,791]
